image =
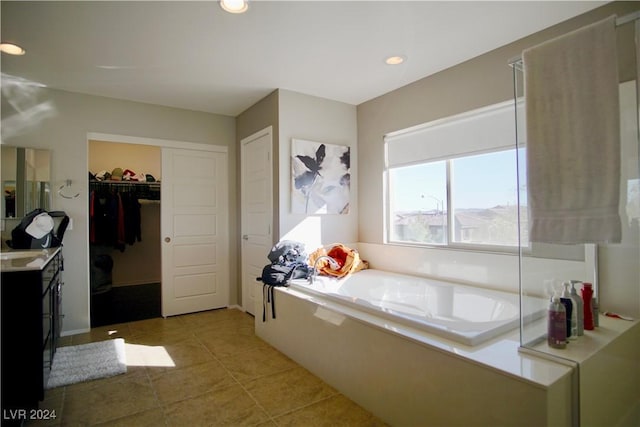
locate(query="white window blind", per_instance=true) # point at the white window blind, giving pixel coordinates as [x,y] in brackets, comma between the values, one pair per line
[487,129]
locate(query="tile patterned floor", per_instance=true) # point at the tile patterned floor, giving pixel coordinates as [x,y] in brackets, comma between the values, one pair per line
[223,375]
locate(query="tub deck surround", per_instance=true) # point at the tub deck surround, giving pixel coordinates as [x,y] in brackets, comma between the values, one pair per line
[408,376]
[499,353]
[465,314]
[609,369]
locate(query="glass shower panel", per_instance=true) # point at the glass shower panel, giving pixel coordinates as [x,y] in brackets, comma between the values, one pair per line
[544,267]
[612,268]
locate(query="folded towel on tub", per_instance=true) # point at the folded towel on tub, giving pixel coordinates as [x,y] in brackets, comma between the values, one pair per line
[573,137]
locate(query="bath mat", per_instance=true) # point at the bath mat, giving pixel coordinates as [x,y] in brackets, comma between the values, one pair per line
[74,364]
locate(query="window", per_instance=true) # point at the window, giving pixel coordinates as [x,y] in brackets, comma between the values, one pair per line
[418,203]
[485,199]
[477,205]
[454,182]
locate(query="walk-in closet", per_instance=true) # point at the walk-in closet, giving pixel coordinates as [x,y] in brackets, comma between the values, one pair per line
[124,232]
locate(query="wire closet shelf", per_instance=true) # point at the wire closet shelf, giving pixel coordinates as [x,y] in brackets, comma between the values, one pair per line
[141,189]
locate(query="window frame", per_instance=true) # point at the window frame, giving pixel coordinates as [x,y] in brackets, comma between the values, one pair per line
[450,243]
[445,139]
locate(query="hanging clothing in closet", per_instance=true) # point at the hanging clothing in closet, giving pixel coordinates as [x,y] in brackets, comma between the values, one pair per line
[114,218]
[132,218]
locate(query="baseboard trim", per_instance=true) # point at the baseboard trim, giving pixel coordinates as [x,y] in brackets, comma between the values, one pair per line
[74,332]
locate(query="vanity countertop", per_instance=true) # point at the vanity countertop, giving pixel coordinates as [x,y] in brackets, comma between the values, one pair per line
[26,259]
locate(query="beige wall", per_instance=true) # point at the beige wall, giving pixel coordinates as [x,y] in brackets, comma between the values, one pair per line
[481,81]
[9,159]
[65,133]
[476,83]
[107,156]
[141,262]
[296,115]
[319,120]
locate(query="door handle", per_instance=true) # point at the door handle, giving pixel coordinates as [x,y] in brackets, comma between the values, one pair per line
[245,237]
[167,239]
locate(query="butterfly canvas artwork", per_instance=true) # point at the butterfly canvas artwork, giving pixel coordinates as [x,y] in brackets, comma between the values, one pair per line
[321,178]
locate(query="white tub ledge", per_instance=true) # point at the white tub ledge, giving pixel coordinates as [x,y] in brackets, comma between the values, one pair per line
[409,377]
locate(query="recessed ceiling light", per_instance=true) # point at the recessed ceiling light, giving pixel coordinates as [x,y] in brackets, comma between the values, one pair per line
[234,6]
[11,49]
[394,60]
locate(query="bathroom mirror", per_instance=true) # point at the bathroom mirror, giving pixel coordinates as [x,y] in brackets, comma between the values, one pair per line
[25,180]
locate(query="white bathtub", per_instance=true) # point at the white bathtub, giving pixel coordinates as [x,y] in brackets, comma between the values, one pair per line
[465,314]
[374,353]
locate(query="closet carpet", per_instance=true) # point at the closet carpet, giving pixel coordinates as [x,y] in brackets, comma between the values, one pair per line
[124,304]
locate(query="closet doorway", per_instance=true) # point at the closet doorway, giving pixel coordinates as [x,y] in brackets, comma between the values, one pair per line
[190,247]
[124,235]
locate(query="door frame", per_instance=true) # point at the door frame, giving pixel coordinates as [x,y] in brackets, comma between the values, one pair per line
[163,143]
[266,131]
[157,142]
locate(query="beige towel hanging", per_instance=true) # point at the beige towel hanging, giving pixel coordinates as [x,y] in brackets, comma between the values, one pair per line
[573,137]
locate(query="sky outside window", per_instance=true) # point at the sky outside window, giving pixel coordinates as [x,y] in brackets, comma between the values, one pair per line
[485,181]
[420,187]
[482,181]
[484,197]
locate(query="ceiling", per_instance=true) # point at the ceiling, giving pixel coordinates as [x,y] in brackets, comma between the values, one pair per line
[193,55]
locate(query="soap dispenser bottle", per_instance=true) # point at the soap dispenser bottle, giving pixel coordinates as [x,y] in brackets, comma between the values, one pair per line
[557,324]
[571,313]
[578,306]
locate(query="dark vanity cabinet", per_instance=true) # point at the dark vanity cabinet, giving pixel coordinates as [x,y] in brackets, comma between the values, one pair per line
[31,323]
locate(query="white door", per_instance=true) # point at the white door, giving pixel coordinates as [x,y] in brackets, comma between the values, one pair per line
[257,208]
[195,231]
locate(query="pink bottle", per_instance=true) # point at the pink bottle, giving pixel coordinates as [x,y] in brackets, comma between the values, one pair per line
[557,324]
[587,295]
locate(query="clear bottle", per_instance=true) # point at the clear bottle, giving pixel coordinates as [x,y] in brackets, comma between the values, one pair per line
[572,320]
[578,306]
[557,324]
